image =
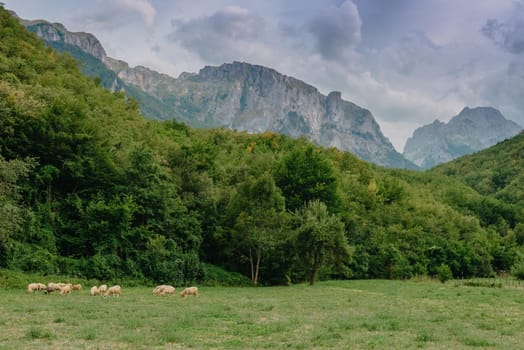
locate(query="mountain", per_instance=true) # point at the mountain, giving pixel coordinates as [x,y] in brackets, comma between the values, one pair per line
[90,188]
[236,95]
[472,130]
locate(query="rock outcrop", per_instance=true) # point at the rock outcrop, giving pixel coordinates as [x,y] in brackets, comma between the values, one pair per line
[56,32]
[472,130]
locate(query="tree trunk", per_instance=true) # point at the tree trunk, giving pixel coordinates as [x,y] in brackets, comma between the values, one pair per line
[312,277]
[252,268]
[314,269]
[259,257]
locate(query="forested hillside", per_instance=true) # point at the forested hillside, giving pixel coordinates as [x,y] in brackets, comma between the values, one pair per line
[497,172]
[88,187]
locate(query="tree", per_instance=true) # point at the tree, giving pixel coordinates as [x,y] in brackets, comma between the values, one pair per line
[258,210]
[320,238]
[303,176]
[11,212]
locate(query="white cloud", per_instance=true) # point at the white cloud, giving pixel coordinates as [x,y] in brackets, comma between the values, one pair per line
[143,7]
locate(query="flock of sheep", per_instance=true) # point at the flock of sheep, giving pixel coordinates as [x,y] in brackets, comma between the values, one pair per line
[63,288]
[66,288]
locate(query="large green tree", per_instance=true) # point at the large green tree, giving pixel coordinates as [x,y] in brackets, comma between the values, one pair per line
[258,212]
[320,238]
[305,175]
[11,211]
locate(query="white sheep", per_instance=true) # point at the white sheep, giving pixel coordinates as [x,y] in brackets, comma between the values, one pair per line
[77,287]
[35,287]
[189,291]
[94,291]
[66,289]
[164,290]
[51,287]
[102,289]
[114,291]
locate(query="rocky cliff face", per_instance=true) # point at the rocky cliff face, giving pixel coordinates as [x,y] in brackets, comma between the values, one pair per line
[56,32]
[255,99]
[472,130]
[250,98]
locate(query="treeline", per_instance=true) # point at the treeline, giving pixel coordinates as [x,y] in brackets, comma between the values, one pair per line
[90,188]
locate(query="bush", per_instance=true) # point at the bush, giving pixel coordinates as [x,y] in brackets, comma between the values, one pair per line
[517,269]
[217,276]
[444,273]
[72,267]
[103,267]
[15,279]
[31,258]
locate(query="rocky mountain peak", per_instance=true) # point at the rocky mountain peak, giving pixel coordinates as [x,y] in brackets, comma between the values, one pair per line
[473,129]
[56,32]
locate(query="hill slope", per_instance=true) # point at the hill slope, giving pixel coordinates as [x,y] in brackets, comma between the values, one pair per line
[497,171]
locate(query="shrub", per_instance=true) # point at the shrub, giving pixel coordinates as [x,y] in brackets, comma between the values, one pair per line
[517,269]
[103,267]
[31,258]
[216,276]
[444,273]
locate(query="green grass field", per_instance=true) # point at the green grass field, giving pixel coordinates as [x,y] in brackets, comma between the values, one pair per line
[330,315]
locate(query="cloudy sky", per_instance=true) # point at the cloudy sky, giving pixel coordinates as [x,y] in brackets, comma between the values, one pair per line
[408,61]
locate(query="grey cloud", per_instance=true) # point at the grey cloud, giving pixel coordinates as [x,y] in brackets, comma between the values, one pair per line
[516,69]
[220,36]
[336,30]
[411,51]
[99,21]
[117,14]
[287,30]
[508,35]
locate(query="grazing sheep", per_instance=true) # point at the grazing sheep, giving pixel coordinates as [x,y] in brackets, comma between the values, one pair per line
[189,291]
[77,287]
[164,290]
[35,287]
[48,289]
[94,291]
[114,291]
[66,289]
[102,289]
[51,287]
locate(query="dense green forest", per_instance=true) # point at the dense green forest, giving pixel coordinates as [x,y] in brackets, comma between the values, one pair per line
[90,188]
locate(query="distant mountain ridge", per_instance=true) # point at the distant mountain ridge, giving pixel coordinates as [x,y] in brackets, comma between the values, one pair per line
[240,96]
[472,130]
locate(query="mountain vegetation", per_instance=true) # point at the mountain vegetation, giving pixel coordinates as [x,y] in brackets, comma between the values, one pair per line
[89,187]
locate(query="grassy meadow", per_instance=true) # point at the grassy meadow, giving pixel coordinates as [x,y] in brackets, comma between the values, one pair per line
[373,314]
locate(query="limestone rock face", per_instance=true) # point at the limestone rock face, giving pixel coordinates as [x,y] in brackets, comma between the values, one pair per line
[56,32]
[254,98]
[472,130]
[249,98]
